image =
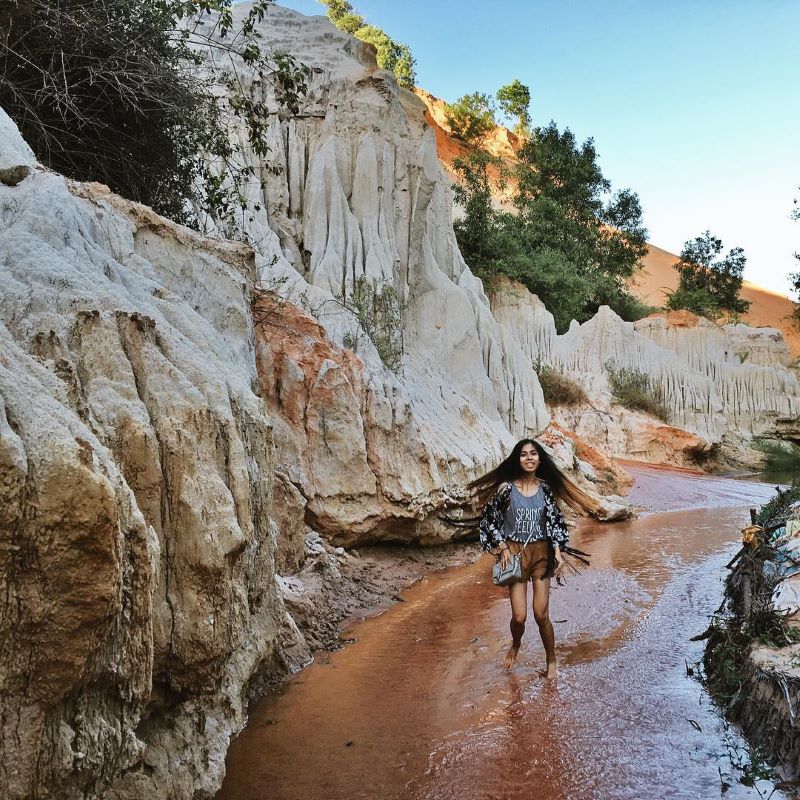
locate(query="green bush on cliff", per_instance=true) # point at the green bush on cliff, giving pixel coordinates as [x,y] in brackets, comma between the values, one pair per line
[379,314]
[571,240]
[471,116]
[779,456]
[515,100]
[637,391]
[112,91]
[709,283]
[392,55]
[558,388]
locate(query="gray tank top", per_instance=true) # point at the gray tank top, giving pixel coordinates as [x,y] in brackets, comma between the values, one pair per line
[525,516]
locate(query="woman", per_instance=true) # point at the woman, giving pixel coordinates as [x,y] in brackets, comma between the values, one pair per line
[518,500]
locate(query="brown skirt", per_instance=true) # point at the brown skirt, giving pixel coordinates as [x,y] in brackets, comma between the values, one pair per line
[534,559]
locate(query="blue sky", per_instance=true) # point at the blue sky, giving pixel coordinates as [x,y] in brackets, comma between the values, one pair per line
[693,105]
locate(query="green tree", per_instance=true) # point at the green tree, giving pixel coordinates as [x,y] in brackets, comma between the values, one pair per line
[480,231]
[471,116]
[794,277]
[568,208]
[392,55]
[709,284]
[115,91]
[571,241]
[514,100]
[343,16]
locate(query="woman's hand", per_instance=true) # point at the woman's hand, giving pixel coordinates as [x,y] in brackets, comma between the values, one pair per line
[505,556]
[559,570]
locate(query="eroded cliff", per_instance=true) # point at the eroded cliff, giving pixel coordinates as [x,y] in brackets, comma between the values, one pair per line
[136,464]
[719,383]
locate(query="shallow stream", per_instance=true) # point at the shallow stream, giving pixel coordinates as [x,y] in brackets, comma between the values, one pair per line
[419,706]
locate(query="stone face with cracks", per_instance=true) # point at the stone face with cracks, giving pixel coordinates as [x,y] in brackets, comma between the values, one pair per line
[136,469]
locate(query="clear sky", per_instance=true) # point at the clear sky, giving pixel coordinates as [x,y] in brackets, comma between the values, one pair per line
[693,104]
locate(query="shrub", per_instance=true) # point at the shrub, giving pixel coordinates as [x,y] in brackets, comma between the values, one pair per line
[515,99]
[698,301]
[630,308]
[117,91]
[378,312]
[637,391]
[471,116]
[559,389]
[778,456]
[777,509]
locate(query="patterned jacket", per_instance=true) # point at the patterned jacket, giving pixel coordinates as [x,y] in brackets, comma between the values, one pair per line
[491,525]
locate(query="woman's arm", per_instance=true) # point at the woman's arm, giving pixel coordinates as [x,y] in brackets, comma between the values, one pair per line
[491,524]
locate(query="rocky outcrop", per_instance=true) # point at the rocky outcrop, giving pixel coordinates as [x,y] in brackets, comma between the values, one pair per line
[17,160]
[360,195]
[351,202]
[710,385]
[136,465]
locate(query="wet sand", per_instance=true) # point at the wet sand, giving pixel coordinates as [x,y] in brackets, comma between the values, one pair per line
[419,707]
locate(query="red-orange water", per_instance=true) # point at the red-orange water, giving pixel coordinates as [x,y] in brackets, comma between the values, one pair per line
[419,707]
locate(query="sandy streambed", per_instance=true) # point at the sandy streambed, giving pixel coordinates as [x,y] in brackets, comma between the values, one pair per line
[419,707]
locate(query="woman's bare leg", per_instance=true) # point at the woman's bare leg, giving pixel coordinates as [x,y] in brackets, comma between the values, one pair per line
[541,613]
[518,594]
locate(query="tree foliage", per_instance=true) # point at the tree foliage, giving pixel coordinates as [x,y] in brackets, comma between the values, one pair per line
[118,91]
[471,116]
[514,100]
[392,55]
[571,241]
[709,284]
[794,277]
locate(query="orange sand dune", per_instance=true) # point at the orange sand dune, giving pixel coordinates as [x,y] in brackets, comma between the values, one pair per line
[768,309]
[657,275]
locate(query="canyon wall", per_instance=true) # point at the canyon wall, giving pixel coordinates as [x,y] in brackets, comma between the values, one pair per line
[359,195]
[718,383]
[351,202]
[136,480]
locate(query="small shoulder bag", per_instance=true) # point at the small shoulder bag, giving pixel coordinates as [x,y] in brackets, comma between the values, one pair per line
[505,576]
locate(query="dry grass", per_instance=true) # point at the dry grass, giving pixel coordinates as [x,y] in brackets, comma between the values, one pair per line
[559,389]
[637,391]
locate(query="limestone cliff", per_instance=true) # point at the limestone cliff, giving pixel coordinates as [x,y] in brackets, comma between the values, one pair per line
[136,464]
[717,382]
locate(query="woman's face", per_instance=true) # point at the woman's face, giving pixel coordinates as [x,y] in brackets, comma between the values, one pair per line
[529,459]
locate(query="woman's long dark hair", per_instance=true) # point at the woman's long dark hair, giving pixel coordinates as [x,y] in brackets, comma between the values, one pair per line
[507,471]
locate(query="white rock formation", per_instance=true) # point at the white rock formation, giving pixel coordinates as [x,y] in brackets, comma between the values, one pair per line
[17,160]
[361,194]
[712,386]
[136,547]
[136,481]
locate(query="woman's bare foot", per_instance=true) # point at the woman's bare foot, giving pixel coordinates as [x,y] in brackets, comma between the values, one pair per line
[511,656]
[552,670]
